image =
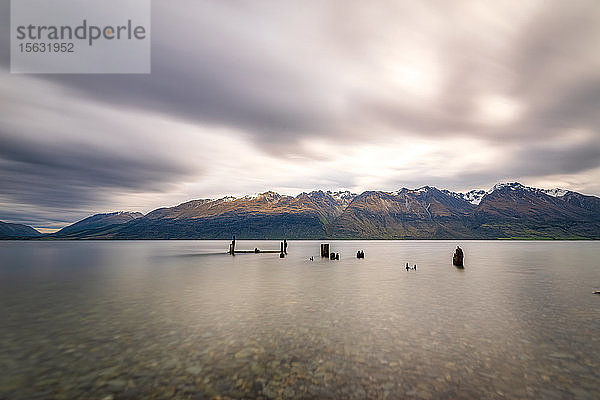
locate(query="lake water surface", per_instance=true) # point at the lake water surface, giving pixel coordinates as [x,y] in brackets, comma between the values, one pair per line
[182,319]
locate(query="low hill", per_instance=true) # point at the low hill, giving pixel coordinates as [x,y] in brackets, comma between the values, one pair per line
[94,224]
[8,230]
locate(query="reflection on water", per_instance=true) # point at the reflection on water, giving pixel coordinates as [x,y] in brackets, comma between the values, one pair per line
[181,319]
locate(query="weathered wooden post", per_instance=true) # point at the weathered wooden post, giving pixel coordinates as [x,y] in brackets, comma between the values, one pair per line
[232,246]
[324,249]
[285,246]
[458,258]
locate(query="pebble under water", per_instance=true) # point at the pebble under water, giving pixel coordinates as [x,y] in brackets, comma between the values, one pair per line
[183,320]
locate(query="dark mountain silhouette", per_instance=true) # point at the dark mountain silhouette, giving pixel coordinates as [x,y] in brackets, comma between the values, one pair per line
[8,230]
[90,226]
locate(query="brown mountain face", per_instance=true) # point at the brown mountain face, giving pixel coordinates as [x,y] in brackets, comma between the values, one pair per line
[406,214]
[590,203]
[438,203]
[518,203]
[261,216]
[514,210]
[268,203]
[506,211]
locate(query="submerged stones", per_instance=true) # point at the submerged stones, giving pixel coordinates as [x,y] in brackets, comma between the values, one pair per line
[354,330]
[194,370]
[116,385]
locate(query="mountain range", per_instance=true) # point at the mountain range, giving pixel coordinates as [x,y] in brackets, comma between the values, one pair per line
[507,211]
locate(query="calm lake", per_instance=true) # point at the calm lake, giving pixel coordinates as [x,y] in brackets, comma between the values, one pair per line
[182,319]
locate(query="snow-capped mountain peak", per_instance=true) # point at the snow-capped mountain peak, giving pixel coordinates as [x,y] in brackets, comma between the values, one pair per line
[509,185]
[555,192]
[474,196]
[343,195]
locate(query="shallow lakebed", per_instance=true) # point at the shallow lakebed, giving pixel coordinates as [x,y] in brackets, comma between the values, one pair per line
[182,319]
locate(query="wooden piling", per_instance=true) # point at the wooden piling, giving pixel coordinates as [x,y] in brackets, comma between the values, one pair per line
[324,249]
[232,246]
[458,258]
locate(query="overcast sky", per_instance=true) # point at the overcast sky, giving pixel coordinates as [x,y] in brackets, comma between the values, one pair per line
[292,96]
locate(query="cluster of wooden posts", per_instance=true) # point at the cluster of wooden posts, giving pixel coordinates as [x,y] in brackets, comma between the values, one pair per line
[457,259]
[282,251]
[336,256]
[325,252]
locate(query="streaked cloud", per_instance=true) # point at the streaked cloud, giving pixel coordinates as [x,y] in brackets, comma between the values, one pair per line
[292,96]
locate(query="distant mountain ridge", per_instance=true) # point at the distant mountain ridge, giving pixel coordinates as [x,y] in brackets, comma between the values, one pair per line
[8,230]
[508,210]
[90,226]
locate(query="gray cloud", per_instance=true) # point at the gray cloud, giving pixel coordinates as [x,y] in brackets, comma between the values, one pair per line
[280,74]
[273,70]
[55,175]
[207,70]
[66,183]
[545,159]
